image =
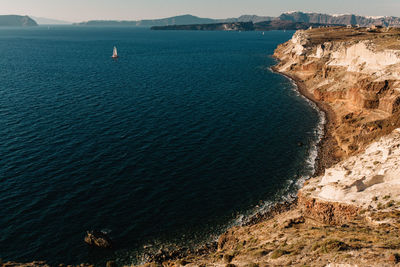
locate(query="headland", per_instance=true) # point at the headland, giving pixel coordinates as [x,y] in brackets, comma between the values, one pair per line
[16,21]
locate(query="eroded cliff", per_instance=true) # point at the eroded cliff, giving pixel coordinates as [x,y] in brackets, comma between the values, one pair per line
[356,72]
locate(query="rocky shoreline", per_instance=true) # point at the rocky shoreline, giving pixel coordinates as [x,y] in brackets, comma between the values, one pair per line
[324,158]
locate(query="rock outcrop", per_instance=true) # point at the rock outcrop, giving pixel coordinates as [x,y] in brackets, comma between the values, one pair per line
[368,182]
[328,212]
[98,239]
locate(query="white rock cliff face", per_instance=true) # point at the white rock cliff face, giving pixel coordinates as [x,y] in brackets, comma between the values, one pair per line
[365,180]
[361,56]
[300,42]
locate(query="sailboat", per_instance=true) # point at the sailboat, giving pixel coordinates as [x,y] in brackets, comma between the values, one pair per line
[115,53]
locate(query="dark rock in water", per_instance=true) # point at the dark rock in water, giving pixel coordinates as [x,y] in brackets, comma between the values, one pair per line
[300,144]
[98,239]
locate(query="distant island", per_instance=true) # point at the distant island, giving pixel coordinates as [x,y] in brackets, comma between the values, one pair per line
[298,19]
[16,21]
[178,20]
[244,26]
[49,21]
[297,16]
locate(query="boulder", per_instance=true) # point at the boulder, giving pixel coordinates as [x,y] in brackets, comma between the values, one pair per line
[98,239]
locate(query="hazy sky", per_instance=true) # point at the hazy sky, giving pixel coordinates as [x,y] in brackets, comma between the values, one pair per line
[80,10]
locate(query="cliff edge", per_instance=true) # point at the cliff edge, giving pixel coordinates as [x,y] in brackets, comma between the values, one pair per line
[355,72]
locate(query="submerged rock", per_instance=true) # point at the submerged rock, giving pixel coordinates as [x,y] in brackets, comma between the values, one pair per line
[98,239]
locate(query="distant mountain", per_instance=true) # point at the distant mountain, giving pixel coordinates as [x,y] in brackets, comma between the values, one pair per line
[296,16]
[278,24]
[363,21]
[178,20]
[247,18]
[244,26]
[229,26]
[16,21]
[47,21]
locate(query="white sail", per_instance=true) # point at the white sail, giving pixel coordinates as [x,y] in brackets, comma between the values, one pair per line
[115,53]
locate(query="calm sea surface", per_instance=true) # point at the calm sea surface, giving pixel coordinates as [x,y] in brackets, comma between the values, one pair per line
[186,134]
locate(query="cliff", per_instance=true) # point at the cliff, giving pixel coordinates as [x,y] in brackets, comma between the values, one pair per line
[368,182]
[16,21]
[346,19]
[355,72]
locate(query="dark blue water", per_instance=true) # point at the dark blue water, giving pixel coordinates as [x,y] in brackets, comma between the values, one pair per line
[180,138]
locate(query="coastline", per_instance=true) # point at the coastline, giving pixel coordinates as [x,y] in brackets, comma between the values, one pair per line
[324,160]
[313,231]
[325,157]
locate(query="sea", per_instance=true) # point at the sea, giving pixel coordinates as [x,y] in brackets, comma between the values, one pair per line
[186,134]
